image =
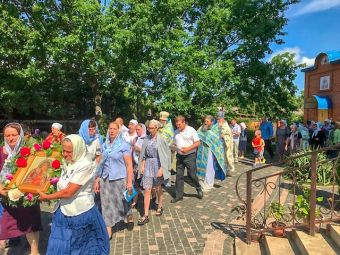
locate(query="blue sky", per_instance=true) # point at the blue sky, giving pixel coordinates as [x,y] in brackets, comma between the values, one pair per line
[313,27]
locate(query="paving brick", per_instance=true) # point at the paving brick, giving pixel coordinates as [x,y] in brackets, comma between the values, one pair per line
[184,228]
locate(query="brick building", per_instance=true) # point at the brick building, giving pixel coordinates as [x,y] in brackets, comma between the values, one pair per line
[322,88]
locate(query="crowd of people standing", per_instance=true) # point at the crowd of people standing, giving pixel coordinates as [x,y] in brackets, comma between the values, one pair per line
[138,159]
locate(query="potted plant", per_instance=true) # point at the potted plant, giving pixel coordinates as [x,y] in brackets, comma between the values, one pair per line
[255,224]
[302,206]
[277,211]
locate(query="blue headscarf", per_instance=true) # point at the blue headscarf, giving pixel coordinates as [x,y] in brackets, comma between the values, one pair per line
[109,147]
[84,133]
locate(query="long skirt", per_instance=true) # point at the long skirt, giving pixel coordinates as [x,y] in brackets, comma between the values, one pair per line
[114,206]
[18,221]
[210,172]
[84,234]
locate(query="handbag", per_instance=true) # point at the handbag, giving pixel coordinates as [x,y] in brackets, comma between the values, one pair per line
[128,197]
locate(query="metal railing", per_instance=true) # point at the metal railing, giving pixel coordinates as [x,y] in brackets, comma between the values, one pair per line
[270,188]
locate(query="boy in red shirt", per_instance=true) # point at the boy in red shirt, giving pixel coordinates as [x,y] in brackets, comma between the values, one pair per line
[258,145]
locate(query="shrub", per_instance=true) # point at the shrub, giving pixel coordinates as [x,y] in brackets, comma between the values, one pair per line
[302,168]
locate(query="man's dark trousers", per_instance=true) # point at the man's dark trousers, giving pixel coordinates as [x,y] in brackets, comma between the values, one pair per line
[189,162]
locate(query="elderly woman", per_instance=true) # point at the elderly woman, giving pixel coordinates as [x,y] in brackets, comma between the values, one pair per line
[136,149]
[16,221]
[56,136]
[154,165]
[77,226]
[131,135]
[294,139]
[90,133]
[137,146]
[114,176]
[318,136]
[243,140]
[282,139]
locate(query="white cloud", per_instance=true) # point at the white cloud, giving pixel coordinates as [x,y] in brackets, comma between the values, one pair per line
[299,59]
[317,6]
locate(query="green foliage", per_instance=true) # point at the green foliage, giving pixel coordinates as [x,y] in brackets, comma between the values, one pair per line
[277,211]
[302,168]
[184,56]
[302,205]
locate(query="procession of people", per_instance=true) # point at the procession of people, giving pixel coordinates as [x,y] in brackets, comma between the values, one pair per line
[136,161]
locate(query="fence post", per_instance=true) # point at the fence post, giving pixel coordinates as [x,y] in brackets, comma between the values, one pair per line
[248,212]
[312,198]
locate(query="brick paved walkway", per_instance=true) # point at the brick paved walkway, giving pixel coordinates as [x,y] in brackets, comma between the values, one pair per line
[190,226]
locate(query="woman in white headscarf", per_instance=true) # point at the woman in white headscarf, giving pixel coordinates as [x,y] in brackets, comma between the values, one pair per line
[77,226]
[318,136]
[16,221]
[294,139]
[243,140]
[136,150]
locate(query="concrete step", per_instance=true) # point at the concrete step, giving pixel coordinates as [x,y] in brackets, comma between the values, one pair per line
[314,245]
[241,248]
[278,246]
[334,233]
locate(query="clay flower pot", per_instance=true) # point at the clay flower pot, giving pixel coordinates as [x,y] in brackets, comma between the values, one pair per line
[279,228]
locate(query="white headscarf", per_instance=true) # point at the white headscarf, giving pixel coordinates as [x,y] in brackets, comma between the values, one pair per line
[79,163]
[318,128]
[79,149]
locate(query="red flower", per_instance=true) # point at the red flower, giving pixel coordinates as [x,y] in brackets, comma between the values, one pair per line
[37,146]
[25,151]
[21,162]
[46,145]
[56,164]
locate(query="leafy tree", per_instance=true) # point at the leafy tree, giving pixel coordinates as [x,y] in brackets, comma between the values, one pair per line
[183,56]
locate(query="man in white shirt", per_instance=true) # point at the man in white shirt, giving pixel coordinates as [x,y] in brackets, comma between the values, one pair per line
[186,141]
[236,131]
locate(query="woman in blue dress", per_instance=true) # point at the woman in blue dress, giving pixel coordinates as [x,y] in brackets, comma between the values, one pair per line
[77,227]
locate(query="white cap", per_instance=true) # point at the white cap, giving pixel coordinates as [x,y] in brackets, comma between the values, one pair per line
[134,122]
[57,125]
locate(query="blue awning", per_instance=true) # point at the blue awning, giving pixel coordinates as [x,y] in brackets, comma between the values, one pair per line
[324,102]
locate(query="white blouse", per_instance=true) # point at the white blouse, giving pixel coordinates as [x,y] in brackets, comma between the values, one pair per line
[81,173]
[94,149]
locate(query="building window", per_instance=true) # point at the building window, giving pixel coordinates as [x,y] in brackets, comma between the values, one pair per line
[325,82]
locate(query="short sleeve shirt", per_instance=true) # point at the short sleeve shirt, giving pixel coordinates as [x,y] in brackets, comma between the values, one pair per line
[94,149]
[81,174]
[236,129]
[114,166]
[187,137]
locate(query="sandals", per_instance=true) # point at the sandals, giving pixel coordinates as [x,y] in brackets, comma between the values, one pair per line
[143,220]
[159,211]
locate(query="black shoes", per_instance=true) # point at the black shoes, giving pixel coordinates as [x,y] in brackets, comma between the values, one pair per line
[130,224]
[176,199]
[200,193]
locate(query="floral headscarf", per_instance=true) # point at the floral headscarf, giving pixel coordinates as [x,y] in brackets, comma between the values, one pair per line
[12,152]
[20,142]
